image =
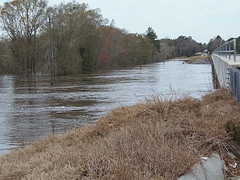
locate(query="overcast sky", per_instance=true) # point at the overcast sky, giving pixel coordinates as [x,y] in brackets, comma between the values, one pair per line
[201,19]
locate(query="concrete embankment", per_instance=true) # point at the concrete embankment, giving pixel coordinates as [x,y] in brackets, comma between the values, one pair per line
[222,70]
[156,139]
[228,73]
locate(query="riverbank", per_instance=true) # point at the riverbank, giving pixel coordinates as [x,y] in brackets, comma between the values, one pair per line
[199,60]
[158,138]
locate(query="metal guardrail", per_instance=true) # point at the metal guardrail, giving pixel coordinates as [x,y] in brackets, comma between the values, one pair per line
[228,49]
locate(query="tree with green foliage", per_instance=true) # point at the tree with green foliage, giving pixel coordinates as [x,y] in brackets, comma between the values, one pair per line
[214,43]
[153,38]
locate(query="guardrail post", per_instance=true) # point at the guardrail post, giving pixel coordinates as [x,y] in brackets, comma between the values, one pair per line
[226,50]
[229,48]
[234,44]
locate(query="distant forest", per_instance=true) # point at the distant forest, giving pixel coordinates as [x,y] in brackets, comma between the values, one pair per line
[79,39]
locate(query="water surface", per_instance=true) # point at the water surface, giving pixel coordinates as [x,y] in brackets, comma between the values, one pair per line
[30,108]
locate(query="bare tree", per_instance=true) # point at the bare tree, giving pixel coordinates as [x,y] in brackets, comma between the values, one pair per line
[75,36]
[22,20]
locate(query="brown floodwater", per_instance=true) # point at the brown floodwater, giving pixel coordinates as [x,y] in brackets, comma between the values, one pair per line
[30,108]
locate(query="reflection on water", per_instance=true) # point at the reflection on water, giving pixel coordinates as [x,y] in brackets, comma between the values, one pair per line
[30,108]
[6,104]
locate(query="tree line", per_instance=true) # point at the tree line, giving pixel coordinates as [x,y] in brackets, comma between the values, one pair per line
[78,39]
[186,46]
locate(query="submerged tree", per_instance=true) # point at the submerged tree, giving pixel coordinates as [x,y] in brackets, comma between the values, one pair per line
[22,20]
[75,37]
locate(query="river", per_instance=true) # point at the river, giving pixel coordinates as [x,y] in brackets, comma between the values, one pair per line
[30,108]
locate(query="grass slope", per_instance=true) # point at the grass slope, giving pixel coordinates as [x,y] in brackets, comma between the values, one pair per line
[157,139]
[194,58]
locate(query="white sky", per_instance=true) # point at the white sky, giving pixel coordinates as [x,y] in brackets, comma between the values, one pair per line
[201,19]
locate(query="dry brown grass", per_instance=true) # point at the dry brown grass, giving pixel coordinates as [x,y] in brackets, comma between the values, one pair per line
[182,57]
[157,139]
[194,58]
